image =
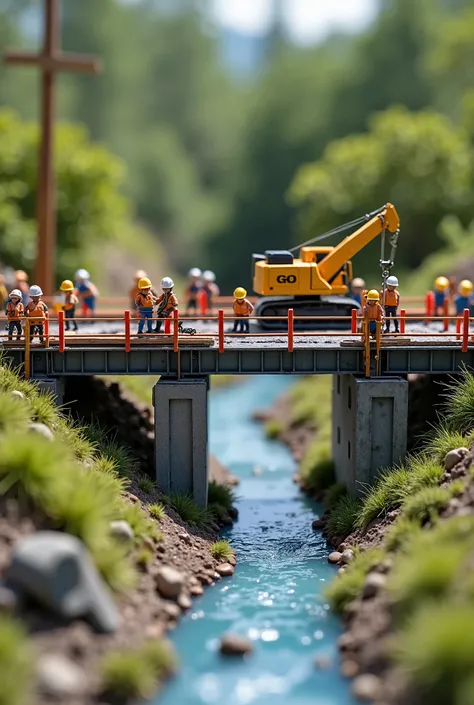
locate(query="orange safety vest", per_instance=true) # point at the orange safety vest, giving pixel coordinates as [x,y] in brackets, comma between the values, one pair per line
[36,312]
[392,297]
[171,303]
[373,312]
[242,307]
[14,311]
[145,300]
[70,300]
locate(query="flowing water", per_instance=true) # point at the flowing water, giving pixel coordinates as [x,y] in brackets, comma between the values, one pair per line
[275,597]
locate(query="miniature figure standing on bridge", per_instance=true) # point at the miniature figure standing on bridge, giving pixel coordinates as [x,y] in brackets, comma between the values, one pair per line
[192,289]
[464,298]
[208,291]
[86,291]
[15,311]
[145,301]
[390,302]
[357,288]
[167,302]
[70,303]
[373,312]
[441,292]
[242,310]
[36,311]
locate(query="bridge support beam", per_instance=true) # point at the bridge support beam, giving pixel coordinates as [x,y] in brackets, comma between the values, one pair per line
[181,437]
[54,386]
[369,428]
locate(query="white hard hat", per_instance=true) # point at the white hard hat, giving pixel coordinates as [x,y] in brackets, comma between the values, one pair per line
[209,276]
[82,274]
[36,290]
[195,272]
[167,283]
[392,281]
[15,292]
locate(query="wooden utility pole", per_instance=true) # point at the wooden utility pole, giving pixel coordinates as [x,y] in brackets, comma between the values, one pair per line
[50,60]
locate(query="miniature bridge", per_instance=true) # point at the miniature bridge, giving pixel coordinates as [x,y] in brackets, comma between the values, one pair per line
[370,390]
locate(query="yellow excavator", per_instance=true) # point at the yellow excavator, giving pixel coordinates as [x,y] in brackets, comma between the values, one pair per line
[318,283]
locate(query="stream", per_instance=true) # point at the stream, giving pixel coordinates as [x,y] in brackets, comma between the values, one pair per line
[275,597]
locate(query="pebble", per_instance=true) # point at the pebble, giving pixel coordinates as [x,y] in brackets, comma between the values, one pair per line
[42,430]
[225,569]
[196,590]
[235,645]
[154,631]
[342,570]
[208,565]
[349,668]
[346,642]
[149,543]
[172,610]
[133,498]
[347,556]
[15,394]
[184,601]
[453,457]
[322,662]
[374,582]
[385,566]
[185,537]
[122,530]
[366,687]
[317,524]
[169,582]
[59,677]
[334,557]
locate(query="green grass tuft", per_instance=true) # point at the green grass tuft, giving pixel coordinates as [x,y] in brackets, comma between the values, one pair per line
[112,450]
[343,517]
[15,414]
[222,550]
[347,587]
[146,484]
[44,409]
[334,494]
[189,511]
[442,440]
[157,511]
[139,520]
[459,402]
[426,504]
[75,437]
[223,495]
[16,667]
[273,428]
[133,674]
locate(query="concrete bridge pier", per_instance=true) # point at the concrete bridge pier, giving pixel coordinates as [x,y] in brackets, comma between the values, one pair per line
[181,436]
[369,427]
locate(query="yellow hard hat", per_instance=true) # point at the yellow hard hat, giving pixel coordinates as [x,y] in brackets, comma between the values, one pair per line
[240,293]
[373,295]
[144,283]
[67,285]
[465,287]
[441,283]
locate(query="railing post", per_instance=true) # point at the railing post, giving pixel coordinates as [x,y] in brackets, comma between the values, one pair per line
[167,325]
[27,349]
[429,306]
[402,321]
[446,315]
[354,320]
[61,328]
[458,326]
[465,330]
[175,330]
[46,329]
[202,299]
[126,320]
[291,327]
[220,323]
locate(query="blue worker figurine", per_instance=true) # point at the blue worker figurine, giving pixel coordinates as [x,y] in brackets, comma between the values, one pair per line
[357,287]
[441,292]
[464,297]
[192,289]
[86,291]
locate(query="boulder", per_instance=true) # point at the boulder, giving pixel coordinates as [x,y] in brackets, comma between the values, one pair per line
[55,569]
[184,601]
[374,582]
[122,531]
[453,457]
[235,645]
[317,524]
[334,557]
[58,677]
[347,556]
[169,582]
[225,569]
[196,590]
[366,687]
[42,430]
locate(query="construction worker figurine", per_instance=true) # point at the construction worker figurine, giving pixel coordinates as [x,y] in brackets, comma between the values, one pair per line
[192,289]
[390,302]
[441,291]
[86,291]
[167,302]
[242,310]
[209,287]
[15,311]
[145,301]
[36,312]
[373,311]
[464,297]
[357,287]
[21,283]
[70,303]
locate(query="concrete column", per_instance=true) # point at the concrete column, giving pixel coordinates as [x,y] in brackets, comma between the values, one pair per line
[181,437]
[55,386]
[369,428]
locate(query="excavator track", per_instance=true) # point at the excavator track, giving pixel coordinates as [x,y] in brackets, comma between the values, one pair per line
[337,307]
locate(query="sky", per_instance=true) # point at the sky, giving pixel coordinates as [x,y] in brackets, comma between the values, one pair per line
[308,20]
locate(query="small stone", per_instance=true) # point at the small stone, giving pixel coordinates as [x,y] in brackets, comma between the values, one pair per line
[58,677]
[454,457]
[349,668]
[196,590]
[322,662]
[235,645]
[317,524]
[122,530]
[374,582]
[346,642]
[232,560]
[208,565]
[184,601]
[216,576]
[342,570]
[133,498]
[347,556]
[171,610]
[8,600]
[15,394]
[149,543]
[334,557]
[342,547]
[185,537]
[154,631]
[42,430]
[225,569]
[366,687]
[385,566]
[169,582]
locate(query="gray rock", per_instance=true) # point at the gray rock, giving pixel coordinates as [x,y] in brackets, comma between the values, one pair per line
[58,677]
[454,457]
[225,569]
[317,524]
[172,610]
[334,557]
[122,531]
[169,582]
[374,582]
[185,537]
[366,687]
[42,430]
[235,645]
[347,556]
[56,570]
[184,601]
[15,394]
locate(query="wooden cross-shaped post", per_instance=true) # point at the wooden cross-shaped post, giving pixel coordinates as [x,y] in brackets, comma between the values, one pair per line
[50,61]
